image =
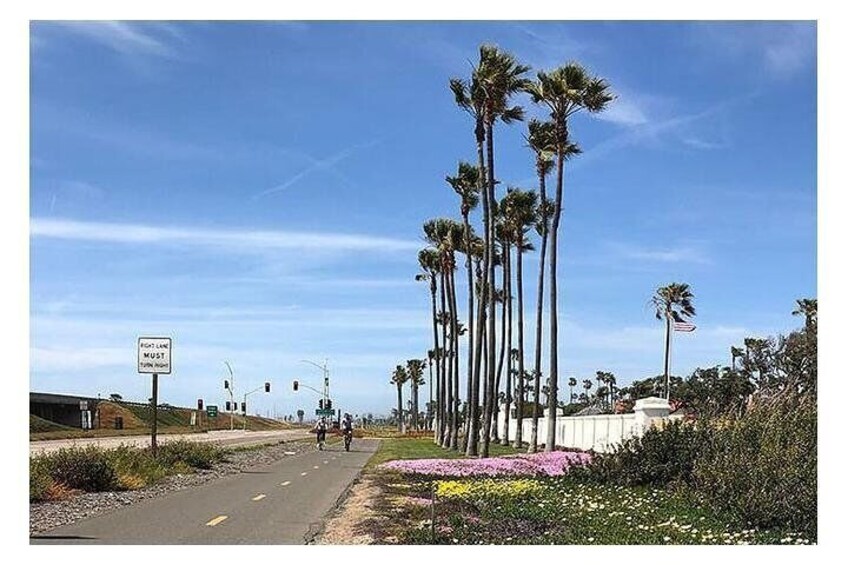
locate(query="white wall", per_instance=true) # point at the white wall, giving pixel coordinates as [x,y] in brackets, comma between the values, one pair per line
[600,433]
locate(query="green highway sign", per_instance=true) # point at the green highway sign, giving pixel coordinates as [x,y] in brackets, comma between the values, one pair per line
[212,411]
[325,412]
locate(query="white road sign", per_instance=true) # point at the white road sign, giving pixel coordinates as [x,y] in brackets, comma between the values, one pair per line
[154,355]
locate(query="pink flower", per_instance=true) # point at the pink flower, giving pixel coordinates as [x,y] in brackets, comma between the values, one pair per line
[550,464]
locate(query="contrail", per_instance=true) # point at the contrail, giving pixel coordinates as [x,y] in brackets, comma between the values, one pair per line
[318,165]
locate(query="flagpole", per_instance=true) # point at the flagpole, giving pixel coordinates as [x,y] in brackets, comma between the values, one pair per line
[670,331]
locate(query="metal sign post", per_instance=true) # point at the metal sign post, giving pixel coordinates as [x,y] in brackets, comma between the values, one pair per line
[155,413]
[154,357]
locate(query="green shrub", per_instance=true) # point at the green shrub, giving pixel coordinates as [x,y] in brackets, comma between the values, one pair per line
[85,469]
[134,467]
[660,457]
[761,468]
[197,455]
[40,480]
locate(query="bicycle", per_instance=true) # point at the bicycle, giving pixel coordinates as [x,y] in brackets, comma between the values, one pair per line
[348,437]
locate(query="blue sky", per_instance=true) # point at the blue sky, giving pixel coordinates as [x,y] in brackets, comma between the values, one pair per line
[256,191]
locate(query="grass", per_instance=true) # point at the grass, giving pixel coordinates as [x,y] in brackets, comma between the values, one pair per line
[40,425]
[424,448]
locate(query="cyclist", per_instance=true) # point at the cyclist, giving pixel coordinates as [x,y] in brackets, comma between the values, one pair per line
[321,433]
[347,430]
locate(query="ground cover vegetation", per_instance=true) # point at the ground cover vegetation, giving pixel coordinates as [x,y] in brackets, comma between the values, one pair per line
[741,468]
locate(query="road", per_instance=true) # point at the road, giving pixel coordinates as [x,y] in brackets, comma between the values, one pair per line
[219,437]
[281,503]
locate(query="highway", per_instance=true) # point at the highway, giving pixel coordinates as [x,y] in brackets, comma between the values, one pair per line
[219,437]
[281,503]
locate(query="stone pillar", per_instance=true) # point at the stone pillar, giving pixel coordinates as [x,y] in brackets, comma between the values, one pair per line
[649,409]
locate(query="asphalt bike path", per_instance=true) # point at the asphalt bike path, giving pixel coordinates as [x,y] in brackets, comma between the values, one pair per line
[280,503]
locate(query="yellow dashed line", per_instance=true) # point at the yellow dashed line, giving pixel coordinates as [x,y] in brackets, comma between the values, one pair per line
[216,521]
[285,484]
[258,497]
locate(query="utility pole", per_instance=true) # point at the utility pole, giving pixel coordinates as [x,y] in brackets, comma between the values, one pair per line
[230,386]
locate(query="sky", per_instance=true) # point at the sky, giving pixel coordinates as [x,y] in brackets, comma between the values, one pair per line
[256,192]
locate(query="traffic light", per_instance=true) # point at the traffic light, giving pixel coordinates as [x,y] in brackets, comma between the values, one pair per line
[329,404]
[267,387]
[244,407]
[200,404]
[321,404]
[226,384]
[229,406]
[295,386]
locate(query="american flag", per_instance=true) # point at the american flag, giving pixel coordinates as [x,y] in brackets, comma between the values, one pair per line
[684,327]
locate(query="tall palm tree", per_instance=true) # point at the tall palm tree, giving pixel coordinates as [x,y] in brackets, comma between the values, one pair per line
[466,185]
[469,96]
[428,260]
[399,378]
[499,77]
[415,374]
[672,303]
[519,211]
[542,141]
[447,235]
[564,91]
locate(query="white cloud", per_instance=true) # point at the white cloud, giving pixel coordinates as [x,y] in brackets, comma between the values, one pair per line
[669,255]
[125,37]
[624,111]
[235,240]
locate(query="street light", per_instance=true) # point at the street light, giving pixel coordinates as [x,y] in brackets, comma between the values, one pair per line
[266,387]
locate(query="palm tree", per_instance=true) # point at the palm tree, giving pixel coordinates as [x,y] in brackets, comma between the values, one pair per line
[519,211]
[542,141]
[428,259]
[587,385]
[399,378]
[498,77]
[466,185]
[672,303]
[808,307]
[415,373]
[447,235]
[572,382]
[564,91]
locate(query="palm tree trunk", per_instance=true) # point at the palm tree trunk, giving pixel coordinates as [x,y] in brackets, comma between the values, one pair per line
[469,412]
[429,422]
[554,313]
[437,409]
[508,302]
[415,403]
[490,377]
[540,300]
[519,402]
[400,407]
[443,399]
[474,400]
[454,440]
